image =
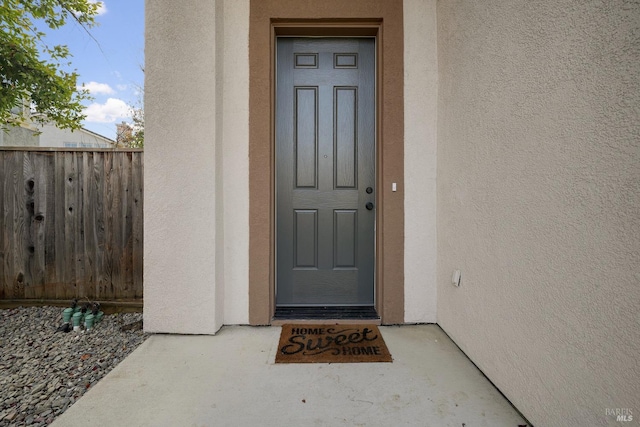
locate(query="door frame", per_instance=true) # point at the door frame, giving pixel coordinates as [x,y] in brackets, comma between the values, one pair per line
[263,30]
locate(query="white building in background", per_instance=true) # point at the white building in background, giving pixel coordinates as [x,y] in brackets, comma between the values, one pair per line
[30,133]
[19,136]
[52,136]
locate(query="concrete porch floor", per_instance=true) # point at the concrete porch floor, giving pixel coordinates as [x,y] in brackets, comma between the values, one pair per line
[230,380]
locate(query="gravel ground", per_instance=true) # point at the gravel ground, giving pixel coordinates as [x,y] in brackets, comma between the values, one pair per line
[43,372]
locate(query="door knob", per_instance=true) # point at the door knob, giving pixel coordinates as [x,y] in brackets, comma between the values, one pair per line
[369,206]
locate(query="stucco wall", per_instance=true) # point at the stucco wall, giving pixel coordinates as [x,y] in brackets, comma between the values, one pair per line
[196,166]
[182,201]
[222,97]
[235,143]
[420,120]
[538,201]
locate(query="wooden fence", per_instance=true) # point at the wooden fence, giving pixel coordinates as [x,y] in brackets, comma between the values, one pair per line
[71,224]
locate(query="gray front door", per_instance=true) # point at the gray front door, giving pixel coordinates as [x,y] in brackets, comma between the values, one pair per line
[325,171]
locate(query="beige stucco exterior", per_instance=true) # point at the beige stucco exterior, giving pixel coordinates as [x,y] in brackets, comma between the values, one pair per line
[420,120]
[227,131]
[538,201]
[183,205]
[196,249]
[235,136]
[521,154]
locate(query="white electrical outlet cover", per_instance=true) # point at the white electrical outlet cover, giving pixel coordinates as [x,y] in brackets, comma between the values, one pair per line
[455,279]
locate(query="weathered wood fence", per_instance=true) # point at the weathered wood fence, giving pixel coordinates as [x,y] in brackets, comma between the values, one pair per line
[71,224]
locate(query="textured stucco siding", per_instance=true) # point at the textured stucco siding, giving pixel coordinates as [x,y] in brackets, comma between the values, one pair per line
[213,84]
[182,204]
[420,120]
[539,201]
[235,143]
[196,165]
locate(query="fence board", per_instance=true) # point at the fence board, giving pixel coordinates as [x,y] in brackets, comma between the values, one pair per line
[8,235]
[70,189]
[2,227]
[56,272]
[49,264]
[97,186]
[71,224]
[21,228]
[88,219]
[137,222]
[37,245]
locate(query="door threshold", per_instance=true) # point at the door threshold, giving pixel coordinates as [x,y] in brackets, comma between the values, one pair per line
[280,322]
[319,315]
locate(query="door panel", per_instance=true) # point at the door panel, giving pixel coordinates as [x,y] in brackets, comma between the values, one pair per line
[345,119]
[345,236]
[325,161]
[306,141]
[305,224]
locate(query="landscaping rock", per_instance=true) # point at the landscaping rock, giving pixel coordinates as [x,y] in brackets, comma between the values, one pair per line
[43,372]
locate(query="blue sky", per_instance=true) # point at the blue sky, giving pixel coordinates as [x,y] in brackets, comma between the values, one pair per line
[110,68]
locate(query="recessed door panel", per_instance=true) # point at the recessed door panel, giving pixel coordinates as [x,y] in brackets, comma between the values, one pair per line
[345,137]
[306,136]
[345,236]
[305,224]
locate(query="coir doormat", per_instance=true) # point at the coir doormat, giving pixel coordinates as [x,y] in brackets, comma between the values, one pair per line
[331,344]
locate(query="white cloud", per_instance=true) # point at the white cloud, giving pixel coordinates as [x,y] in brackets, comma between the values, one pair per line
[102,8]
[122,87]
[109,112]
[96,88]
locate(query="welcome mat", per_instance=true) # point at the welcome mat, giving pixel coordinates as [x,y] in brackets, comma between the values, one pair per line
[331,344]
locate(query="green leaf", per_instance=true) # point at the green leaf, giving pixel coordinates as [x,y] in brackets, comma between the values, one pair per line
[25,76]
